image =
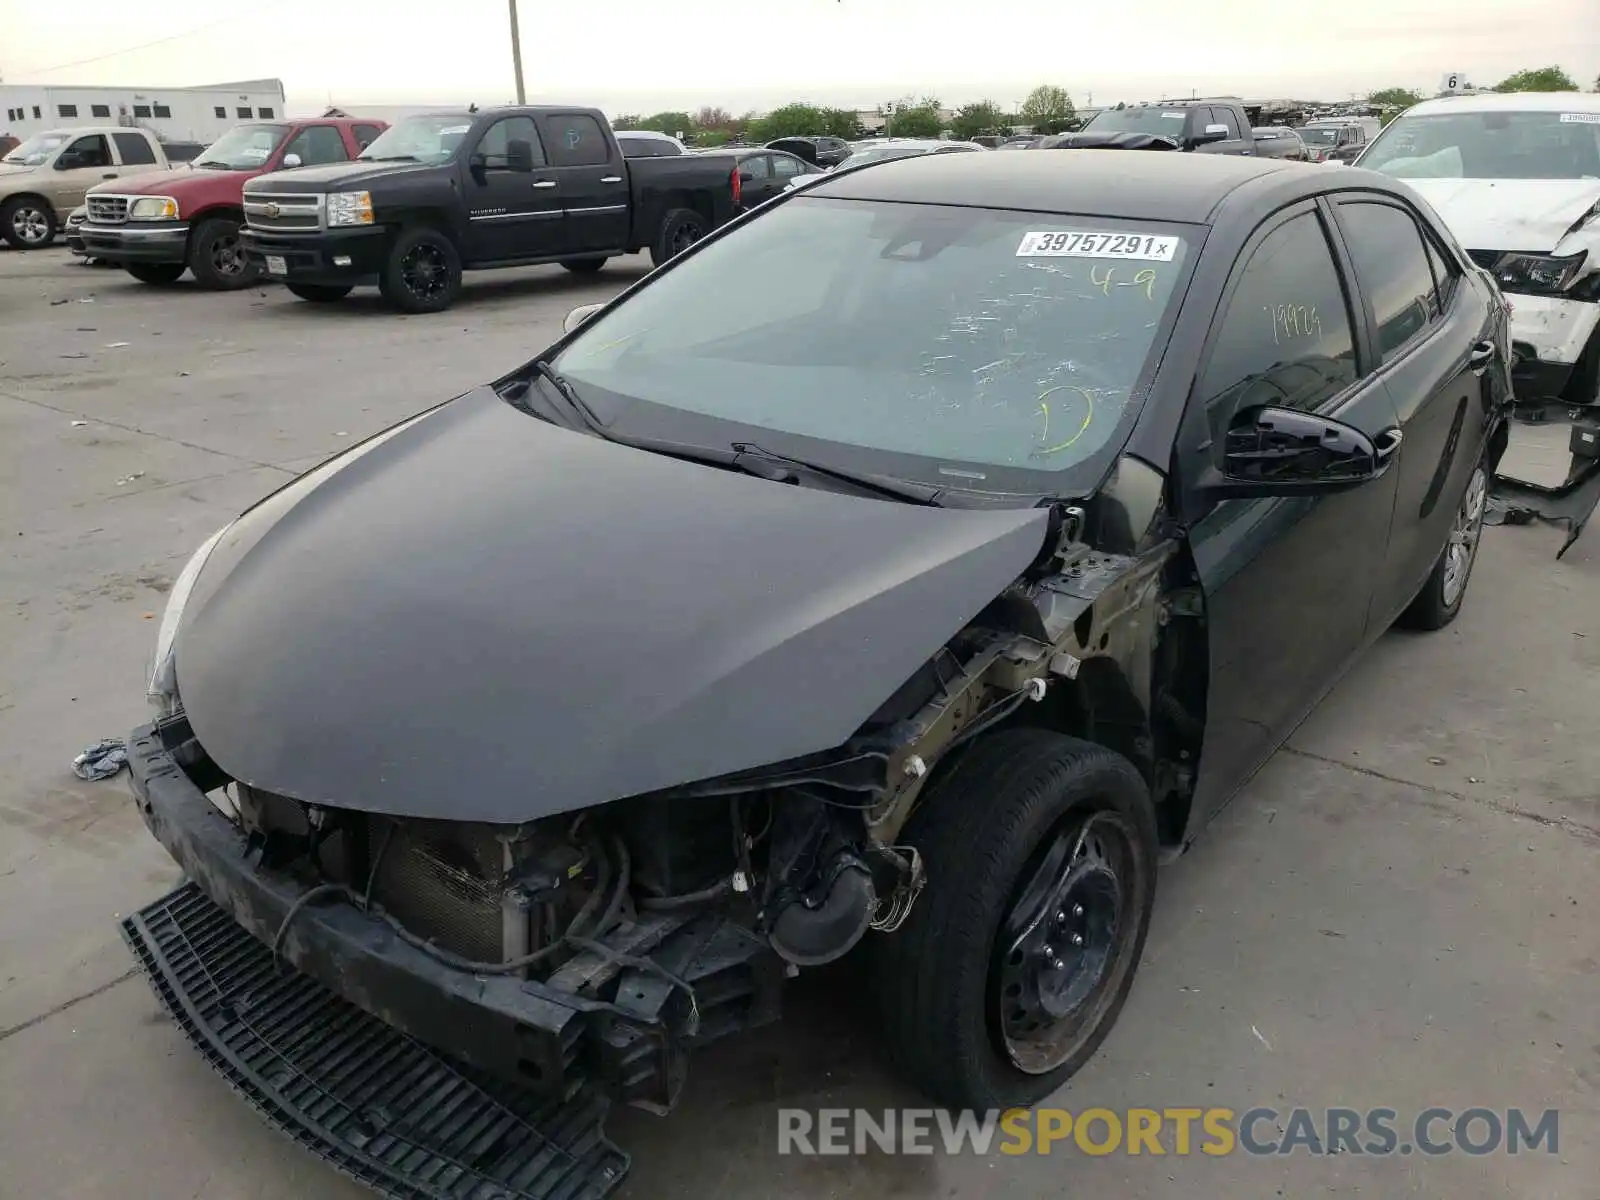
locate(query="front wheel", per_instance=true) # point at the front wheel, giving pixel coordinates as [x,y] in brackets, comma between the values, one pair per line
[423,272]
[318,293]
[1011,970]
[680,229]
[27,223]
[583,266]
[217,259]
[1439,601]
[158,274]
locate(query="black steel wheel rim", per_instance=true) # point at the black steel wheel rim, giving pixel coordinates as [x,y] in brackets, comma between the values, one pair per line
[226,256]
[1065,943]
[425,272]
[685,234]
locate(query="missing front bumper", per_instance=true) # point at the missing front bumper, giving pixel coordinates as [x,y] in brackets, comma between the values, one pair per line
[1570,503]
[375,1104]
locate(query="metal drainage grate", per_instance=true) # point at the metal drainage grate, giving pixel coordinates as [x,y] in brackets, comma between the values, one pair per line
[378,1105]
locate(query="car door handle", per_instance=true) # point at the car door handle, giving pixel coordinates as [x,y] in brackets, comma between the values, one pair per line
[1481,356]
[611,179]
[109,175]
[544,183]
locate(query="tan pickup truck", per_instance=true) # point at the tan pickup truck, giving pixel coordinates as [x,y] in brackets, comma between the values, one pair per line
[44,178]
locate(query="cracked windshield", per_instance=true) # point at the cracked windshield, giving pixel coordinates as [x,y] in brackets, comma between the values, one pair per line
[957,335]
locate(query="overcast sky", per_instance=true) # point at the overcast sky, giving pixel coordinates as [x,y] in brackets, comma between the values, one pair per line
[741,54]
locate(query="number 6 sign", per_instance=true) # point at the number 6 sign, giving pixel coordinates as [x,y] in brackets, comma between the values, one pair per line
[1453,82]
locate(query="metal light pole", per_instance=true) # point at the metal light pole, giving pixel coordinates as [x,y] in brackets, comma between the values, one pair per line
[516,53]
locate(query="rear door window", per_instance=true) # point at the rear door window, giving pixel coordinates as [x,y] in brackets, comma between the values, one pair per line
[1393,271]
[133,149]
[576,140]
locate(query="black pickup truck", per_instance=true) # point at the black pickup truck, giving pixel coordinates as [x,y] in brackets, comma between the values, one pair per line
[1204,126]
[444,192]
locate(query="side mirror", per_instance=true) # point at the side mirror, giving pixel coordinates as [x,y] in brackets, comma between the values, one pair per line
[291,160]
[69,160]
[519,154]
[1211,133]
[579,315]
[1285,452]
[746,177]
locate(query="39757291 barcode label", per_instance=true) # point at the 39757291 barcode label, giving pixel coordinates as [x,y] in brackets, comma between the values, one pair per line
[1078,244]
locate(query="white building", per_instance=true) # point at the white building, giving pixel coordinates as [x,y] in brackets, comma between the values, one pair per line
[191,114]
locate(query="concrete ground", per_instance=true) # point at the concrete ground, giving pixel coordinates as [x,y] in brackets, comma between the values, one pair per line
[1398,911]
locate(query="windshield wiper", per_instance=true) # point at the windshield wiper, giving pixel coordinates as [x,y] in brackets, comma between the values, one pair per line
[388,158]
[576,403]
[767,464]
[740,456]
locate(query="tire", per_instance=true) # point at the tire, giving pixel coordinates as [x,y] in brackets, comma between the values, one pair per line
[1440,599]
[583,266]
[680,229]
[319,293]
[986,830]
[218,261]
[27,223]
[156,274]
[422,273]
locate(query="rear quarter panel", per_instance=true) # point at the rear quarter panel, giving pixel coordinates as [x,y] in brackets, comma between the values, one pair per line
[702,182]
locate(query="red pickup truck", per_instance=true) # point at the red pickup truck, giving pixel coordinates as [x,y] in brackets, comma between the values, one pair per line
[160,225]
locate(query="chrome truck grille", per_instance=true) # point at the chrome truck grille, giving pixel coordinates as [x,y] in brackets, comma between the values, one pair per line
[279,212]
[108,210]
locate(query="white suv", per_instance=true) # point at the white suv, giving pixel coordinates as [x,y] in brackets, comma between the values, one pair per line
[1516,176]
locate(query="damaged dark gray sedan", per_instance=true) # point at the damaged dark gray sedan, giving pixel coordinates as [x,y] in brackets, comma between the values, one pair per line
[906,570]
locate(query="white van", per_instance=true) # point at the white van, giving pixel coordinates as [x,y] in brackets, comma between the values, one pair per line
[1516,176]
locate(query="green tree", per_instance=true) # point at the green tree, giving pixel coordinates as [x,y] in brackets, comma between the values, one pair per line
[916,118]
[668,122]
[1048,109]
[799,119]
[626,121]
[840,123]
[1538,79]
[973,120]
[1394,97]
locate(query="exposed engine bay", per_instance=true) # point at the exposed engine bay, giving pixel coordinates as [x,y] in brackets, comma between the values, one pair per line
[672,918]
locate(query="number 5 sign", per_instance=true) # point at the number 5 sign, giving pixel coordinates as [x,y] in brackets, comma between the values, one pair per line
[1453,82]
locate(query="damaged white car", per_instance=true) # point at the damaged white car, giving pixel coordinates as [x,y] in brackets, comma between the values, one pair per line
[1516,177]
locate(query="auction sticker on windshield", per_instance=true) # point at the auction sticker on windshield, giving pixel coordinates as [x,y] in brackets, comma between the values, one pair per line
[1141,247]
[1590,118]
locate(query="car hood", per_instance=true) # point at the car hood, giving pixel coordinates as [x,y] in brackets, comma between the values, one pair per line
[12,174]
[1509,214]
[173,181]
[481,616]
[333,177]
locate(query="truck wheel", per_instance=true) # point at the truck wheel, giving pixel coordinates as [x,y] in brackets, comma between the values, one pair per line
[218,261]
[319,293]
[1013,965]
[583,266]
[423,273]
[680,229]
[27,222]
[159,274]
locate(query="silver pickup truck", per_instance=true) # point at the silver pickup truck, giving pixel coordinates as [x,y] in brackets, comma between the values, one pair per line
[45,178]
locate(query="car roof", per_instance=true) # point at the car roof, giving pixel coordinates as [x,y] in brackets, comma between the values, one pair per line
[1574,102]
[1125,183]
[645,133]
